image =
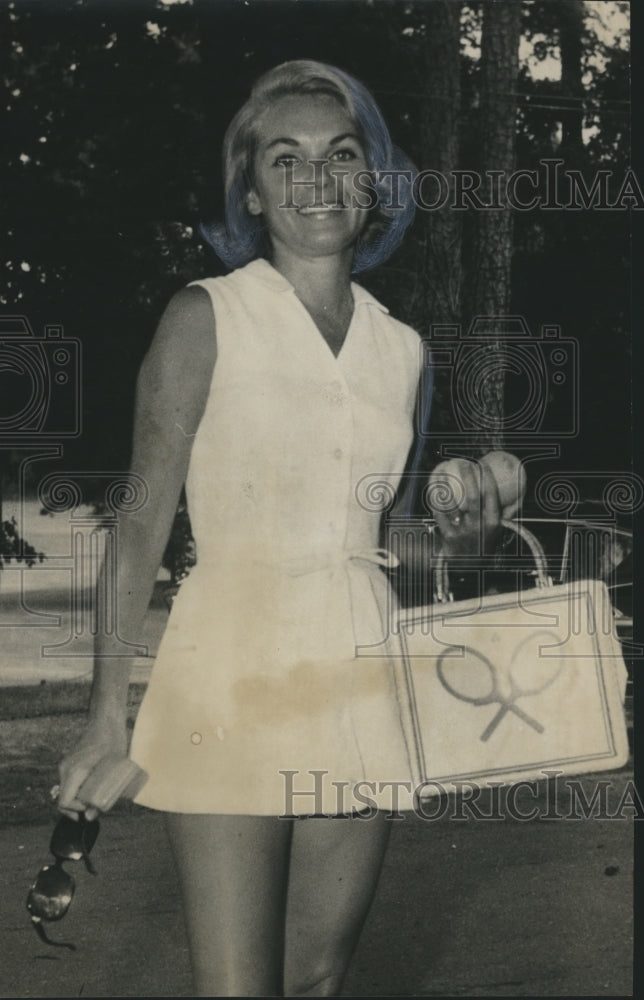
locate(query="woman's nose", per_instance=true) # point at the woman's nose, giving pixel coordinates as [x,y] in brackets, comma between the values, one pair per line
[320,185]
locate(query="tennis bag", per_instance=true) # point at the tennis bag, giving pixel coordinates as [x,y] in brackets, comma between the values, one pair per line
[506,687]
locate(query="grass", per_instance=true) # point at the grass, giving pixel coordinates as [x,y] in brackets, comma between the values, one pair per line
[59,698]
[38,726]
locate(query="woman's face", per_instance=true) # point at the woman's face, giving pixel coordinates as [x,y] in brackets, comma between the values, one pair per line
[311,209]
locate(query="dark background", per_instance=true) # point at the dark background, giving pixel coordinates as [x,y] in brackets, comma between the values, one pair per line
[105,212]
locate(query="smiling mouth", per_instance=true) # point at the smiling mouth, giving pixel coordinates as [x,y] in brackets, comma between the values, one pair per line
[320,211]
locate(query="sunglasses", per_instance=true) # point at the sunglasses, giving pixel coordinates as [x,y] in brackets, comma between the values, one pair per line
[51,894]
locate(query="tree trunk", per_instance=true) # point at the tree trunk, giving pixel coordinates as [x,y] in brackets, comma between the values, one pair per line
[571,23]
[493,243]
[439,276]
[4,463]
[440,268]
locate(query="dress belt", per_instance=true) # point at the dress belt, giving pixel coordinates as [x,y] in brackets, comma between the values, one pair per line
[338,559]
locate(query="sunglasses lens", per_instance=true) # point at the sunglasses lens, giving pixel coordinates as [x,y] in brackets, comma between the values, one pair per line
[51,893]
[73,839]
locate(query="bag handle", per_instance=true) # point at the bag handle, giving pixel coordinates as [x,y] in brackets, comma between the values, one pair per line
[441,569]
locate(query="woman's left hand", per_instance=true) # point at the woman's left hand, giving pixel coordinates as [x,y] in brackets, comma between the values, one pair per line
[469,499]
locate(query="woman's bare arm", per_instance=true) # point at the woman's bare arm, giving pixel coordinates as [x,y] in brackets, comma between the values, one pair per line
[172,390]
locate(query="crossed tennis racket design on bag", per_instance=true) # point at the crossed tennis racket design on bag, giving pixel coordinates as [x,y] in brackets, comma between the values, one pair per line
[473,678]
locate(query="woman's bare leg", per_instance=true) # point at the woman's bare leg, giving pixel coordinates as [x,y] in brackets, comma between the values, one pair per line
[335,864]
[233,872]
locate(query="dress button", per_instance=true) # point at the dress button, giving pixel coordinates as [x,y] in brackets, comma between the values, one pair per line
[338,453]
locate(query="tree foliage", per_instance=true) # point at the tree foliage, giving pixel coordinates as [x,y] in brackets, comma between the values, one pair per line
[114,116]
[14,548]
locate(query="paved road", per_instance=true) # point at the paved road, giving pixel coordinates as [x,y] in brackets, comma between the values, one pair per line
[465,908]
[38,637]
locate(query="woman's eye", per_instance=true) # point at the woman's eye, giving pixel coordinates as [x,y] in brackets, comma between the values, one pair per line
[344,155]
[286,160]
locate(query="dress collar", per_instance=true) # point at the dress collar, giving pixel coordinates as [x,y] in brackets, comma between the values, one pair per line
[264,271]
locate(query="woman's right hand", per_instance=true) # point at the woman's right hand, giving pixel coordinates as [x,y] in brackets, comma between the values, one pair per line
[100,740]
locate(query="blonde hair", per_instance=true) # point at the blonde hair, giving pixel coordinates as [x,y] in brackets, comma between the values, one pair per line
[242,237]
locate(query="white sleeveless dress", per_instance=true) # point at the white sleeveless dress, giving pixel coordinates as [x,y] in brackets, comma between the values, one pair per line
[257,682]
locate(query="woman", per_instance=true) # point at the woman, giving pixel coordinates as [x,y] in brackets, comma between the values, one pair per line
[273,392]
